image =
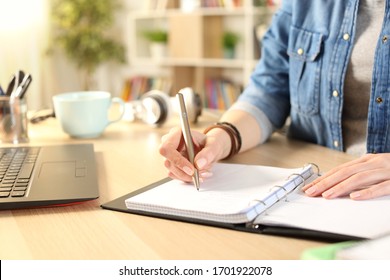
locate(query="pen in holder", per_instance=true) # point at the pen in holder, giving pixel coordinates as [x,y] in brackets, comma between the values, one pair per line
[13,120]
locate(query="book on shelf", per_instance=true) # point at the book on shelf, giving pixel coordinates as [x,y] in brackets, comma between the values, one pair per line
[135,87]
[260,199]
[230,3]
[191,5]
[220,93]
[221,3]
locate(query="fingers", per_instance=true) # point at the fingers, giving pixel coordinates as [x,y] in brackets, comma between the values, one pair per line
[210,153]
[172,148]
[171,139]
[178,166]
[335,178]
[374,191]
[174,171]
[336,175]
[358,181]
[364,178]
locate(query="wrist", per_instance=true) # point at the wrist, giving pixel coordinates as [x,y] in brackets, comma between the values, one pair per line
[221,139]
[227,135]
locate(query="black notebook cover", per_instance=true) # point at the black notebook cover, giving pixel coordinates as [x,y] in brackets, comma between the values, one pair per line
[119,205]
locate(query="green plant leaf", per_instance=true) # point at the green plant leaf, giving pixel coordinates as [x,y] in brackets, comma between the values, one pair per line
[160,36]
[82,30]
[230,39]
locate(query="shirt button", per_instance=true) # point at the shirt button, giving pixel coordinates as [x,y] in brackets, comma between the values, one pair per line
[379,100]
[346,36]
[336,143]
[300,51]
[384,39]
[335,93]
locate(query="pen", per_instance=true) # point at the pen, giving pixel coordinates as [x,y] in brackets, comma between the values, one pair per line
[22,88]
[11,86]
[19,75]
[185,127]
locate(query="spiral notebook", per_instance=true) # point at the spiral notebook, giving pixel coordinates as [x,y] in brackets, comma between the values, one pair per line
[260,199]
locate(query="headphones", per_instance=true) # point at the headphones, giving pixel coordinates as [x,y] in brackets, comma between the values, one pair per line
[155,107]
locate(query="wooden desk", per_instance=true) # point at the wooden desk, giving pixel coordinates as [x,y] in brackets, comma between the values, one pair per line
[127,159]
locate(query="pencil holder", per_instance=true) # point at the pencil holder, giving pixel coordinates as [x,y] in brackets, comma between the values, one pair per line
[13,120]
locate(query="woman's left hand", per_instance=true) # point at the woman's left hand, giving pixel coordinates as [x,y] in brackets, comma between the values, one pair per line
[364,178]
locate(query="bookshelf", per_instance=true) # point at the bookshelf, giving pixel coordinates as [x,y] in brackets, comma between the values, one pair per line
[195,56]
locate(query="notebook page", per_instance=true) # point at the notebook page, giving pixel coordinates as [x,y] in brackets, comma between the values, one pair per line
[228,196]
[366,219]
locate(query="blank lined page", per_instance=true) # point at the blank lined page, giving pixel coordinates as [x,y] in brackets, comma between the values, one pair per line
[231,195]
[366,219]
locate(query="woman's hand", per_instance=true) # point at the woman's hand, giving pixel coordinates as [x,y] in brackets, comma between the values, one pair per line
[208,150]
[364,178]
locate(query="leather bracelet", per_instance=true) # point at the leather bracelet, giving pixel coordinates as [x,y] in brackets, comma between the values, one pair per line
[237,134]
[232,135]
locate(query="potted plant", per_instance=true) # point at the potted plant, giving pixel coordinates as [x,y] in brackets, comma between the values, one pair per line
[82,30]
[158,42]
[229,42]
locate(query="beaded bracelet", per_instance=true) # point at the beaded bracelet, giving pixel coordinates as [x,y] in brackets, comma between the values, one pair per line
[234,135]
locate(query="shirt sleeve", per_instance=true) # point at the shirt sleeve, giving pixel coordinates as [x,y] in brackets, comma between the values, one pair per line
[262,120]
[268,88]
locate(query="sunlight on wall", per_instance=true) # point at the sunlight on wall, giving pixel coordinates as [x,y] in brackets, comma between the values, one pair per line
[23,40]
[19,14]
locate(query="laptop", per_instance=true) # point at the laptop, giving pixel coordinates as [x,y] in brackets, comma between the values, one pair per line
[47,175]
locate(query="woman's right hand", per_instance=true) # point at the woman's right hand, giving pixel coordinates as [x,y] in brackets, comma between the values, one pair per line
[208,150]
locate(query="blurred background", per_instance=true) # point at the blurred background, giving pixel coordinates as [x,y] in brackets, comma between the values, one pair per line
[58,43]
[26,43]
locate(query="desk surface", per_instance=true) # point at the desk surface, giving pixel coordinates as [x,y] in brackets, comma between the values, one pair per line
[127,159]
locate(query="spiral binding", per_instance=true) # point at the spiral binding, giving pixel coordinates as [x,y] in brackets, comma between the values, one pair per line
[285,196]
[262,202]
[300,176]
[315,165]
[285,193]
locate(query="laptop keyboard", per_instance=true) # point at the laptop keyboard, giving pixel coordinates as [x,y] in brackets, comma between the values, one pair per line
[16,166]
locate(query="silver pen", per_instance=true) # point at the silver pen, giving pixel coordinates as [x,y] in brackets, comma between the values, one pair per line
[185,127]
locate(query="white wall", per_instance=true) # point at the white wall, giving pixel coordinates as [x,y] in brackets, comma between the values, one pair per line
[24,39]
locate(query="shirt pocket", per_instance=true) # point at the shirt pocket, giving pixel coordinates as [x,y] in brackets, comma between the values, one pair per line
[304,50]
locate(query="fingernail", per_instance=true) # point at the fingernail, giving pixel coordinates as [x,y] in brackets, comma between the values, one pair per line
[206,174]
[328,193]
[310,191]
[355,195]
[188,170]
[200,163]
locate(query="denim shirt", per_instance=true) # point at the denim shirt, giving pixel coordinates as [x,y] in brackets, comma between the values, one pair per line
[301,74]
